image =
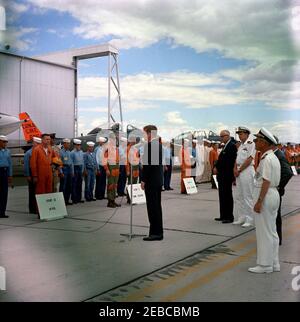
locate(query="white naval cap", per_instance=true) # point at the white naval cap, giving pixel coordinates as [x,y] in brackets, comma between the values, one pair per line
[67,141]
[37,140]
[90,143]
[3,138]
[195,141]
[266,135]
[241,129]
[102,139]
[77,141]
[206,140]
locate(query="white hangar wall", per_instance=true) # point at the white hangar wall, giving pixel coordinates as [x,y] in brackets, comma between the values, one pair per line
[46,91]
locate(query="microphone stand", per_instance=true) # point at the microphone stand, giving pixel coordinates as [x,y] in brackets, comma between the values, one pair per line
[131,235]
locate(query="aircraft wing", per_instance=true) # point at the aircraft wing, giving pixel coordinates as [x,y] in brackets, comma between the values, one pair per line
[6,129]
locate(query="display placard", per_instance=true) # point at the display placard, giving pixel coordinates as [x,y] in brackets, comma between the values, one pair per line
[138,194]
[190,186]
[51,206]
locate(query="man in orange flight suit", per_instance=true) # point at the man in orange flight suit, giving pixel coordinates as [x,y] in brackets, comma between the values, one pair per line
[40,164]
[111,162]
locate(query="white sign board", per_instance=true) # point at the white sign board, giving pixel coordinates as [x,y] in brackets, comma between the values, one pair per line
[138,194]
[216,181]
[294,170]
[190,186]
[51,206]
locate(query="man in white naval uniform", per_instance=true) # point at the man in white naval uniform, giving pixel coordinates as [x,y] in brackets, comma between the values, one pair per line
[244,173]
[266,198]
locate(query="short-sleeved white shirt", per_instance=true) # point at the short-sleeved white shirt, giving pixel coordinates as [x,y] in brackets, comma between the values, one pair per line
[245,151]
[268,169]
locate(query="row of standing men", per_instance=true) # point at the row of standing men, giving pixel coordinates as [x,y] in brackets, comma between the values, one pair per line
[258,192]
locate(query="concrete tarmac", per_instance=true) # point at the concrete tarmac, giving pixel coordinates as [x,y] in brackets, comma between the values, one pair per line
[85,257]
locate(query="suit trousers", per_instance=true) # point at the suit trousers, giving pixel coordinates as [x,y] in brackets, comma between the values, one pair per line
[279,221]
[225,198]
[31,197]
[153,199]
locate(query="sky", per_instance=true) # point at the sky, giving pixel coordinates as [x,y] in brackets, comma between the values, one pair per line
[184,65]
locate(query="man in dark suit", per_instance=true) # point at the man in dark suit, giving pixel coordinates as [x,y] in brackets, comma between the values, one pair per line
[285,175]
[152,181]
[225,176]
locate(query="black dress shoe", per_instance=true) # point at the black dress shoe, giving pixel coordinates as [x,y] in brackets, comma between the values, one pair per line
[81,201]
[94,199]
[4,216]
[218,219]
[153,237]
[227,221]
[69,203]
[170,189]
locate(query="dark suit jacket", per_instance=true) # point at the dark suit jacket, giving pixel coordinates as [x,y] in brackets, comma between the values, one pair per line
[152,173]
[285,171]
[225,163]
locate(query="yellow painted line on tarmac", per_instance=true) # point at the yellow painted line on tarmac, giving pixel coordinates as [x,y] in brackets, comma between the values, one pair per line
[208,277]
[216,273]
[173,279]
[156,286]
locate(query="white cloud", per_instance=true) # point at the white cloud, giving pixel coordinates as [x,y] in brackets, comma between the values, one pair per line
[86,124]
[249,29]
[258,31]
[174,118]
[19,38]
[288,130]
[141,91]
[17,8]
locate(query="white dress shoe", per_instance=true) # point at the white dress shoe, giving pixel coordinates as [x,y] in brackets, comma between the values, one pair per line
[261,269]
[276,268]
[246,225]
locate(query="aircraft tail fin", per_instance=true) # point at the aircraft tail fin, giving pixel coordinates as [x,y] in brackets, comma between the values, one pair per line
[29,128]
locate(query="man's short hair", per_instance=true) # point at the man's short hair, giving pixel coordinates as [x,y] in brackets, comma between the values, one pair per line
[150,129]
[45,134]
